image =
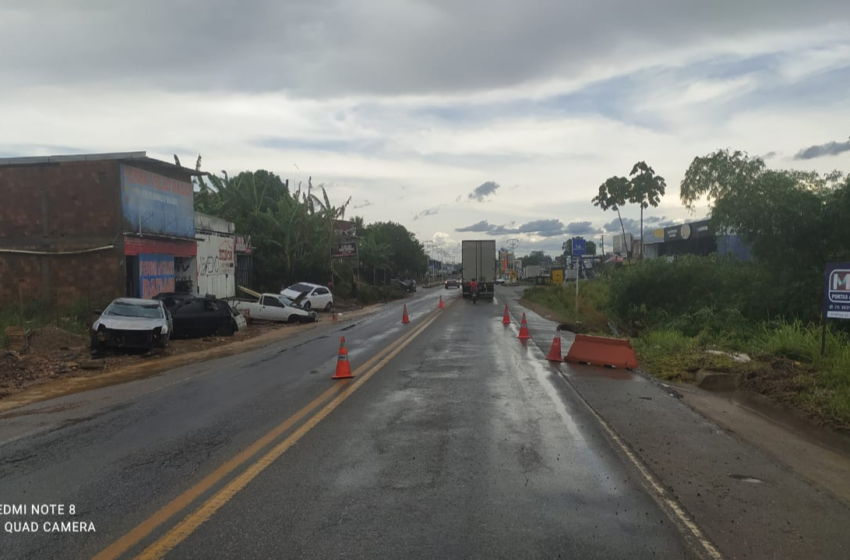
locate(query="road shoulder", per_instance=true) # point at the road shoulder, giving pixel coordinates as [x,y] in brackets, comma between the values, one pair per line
[155,366]
[746,501]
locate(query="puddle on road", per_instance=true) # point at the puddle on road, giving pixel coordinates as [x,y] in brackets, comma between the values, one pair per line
[746,478]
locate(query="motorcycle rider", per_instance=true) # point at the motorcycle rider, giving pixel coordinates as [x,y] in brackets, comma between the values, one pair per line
[473,289]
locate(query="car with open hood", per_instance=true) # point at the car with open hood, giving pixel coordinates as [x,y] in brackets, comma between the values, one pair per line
[132,323]
[274,307]
[310,296]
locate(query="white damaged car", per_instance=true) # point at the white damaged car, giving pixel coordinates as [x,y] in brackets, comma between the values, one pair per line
[132,323]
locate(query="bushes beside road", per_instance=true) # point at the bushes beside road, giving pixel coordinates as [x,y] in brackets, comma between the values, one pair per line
[676,311]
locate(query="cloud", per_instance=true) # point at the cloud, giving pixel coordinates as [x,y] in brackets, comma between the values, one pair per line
[821,150]
[770,155]
[428,212]
[364,205]
[328,48]
[477,227]
[484,190]
[653,219]
[632,226]
[539,228]
[581,228]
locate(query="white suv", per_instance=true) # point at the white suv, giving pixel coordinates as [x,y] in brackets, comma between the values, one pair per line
[313,296]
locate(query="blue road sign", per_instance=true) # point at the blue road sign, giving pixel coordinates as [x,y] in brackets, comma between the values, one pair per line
[579,247]
[837,300]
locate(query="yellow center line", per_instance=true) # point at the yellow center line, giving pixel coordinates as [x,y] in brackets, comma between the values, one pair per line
[130,539]
[186,527]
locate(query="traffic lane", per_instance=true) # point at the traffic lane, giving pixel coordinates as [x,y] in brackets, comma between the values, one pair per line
[467,444]
[123,462]
[745,501]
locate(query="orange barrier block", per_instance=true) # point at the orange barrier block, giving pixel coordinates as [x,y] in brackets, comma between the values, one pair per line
[599,351]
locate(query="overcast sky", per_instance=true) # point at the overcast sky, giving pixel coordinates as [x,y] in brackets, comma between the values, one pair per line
[458,118]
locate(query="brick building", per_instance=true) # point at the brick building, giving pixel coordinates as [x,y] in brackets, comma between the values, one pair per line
[93,227]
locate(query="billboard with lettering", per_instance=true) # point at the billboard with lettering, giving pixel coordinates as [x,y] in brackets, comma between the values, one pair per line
[216,265]
[837,300]
[156,274]
[155,204]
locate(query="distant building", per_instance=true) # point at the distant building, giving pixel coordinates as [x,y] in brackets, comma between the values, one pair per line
[695,238]
[95,227]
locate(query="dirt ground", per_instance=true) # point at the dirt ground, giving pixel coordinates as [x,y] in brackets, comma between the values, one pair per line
[54,353]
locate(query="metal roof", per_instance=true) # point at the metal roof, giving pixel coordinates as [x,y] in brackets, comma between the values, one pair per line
[140,157]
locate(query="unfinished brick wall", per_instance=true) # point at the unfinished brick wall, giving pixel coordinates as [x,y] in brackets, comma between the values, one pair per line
[60,207]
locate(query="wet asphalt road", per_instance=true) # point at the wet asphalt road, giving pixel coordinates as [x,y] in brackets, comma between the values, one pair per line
[462,443]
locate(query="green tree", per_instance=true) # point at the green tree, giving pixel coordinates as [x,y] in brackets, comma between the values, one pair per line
[647,188]
[407,254]
[794,223]
[615,193]
[535,258]
[715,174]
[375,256]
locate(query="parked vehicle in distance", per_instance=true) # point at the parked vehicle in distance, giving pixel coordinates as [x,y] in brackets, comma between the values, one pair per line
[274,307]
[452,283]
[314,295]
[407,285]
[195,316]
[501,281]
[132,323]
[478,260]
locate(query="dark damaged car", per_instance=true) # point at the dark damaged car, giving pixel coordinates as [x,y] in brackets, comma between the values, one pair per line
[132,323]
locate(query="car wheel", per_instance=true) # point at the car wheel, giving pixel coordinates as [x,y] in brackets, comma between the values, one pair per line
[329,307]
[307,305]
[293,319]
[228,329]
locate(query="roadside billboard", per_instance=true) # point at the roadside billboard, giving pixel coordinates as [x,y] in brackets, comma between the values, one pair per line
[156,204]
[837,300]
[344,250]
[216,265]
[156,274]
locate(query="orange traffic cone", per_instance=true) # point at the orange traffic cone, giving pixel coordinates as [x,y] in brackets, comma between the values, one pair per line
[506,320]
[441,303]
[343,368]
[404,318]
[555,350]
[523,329]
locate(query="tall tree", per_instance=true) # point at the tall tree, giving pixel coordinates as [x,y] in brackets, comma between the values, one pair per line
[647,188]
[715,174]
[614,194]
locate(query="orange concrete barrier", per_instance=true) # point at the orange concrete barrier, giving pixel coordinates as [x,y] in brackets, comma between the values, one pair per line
[599,351]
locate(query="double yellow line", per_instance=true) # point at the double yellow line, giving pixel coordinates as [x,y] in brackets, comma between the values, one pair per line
[194,520]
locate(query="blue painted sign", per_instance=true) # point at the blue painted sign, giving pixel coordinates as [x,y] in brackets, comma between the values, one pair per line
[837,300]
[156,274]
[156,204]
[579,247]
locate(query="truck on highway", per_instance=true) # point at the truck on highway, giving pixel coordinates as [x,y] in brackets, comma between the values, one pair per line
[479,261]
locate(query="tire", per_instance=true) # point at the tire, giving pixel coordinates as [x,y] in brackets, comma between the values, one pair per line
[293,319]
[329,307]
[307,305]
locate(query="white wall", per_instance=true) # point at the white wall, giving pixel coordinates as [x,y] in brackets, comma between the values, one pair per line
[216,265]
